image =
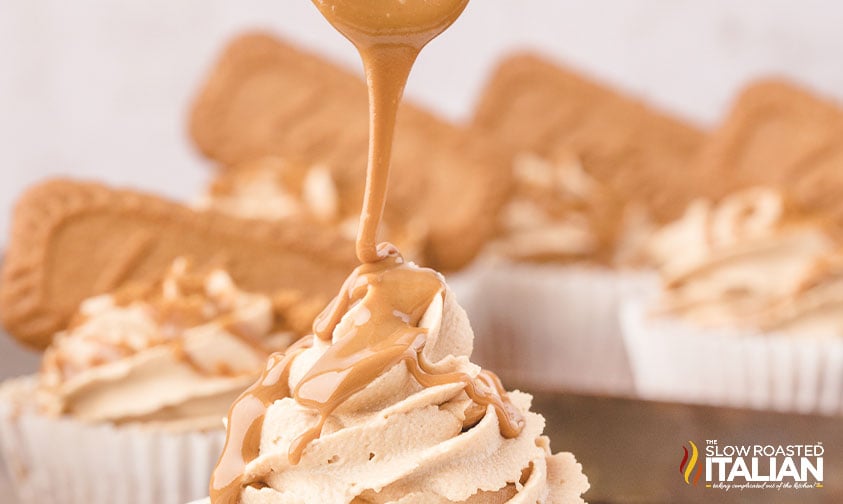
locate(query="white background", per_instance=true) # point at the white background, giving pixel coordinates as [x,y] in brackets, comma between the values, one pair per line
[99,88]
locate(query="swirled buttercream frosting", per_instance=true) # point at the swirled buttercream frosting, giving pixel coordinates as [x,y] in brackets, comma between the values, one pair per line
[178,352]
[748,261]
[382,404]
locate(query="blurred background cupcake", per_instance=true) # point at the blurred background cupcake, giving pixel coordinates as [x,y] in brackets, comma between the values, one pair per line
[594,170]
[749,309]
[129,401]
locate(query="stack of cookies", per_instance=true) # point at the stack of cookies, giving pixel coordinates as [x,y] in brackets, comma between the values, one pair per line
[591,238]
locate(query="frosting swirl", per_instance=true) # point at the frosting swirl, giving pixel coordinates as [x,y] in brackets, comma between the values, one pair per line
[559,212]
[550,215]
[381,403]
[735,263]
[404,418]
[177,352]
[275,189]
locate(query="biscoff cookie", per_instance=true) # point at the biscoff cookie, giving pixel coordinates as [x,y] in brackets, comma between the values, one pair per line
[636,155]
[72,240]
[267,98]
[782,135]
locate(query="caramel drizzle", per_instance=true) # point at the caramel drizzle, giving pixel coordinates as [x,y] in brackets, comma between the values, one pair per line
[389,34]
[384,299]
[392,297]
[245,421]
[382,303]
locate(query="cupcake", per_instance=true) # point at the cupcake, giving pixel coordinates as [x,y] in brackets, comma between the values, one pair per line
[595,171]
[128,401]
[748,313]
[560,262]
[382,404]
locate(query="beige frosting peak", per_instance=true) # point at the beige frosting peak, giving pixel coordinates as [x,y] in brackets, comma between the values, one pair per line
[396,439]
[560,212]
[708,229]
[272,188]
[730,263]
[548,217]
[177,352]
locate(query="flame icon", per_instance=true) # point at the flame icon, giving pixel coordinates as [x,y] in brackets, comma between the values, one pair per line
[686,467]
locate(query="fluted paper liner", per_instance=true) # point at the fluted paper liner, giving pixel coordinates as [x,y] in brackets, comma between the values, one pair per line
[675,361]
[64,461]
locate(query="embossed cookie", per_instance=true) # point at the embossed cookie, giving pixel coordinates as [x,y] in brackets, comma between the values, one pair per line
[71,240]
[634,154]
[780,134]
[266,98]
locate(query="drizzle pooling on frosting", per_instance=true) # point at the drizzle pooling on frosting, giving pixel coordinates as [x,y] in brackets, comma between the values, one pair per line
[388,299]
[393,296]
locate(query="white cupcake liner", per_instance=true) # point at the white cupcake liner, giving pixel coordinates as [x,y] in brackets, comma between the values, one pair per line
[551,327]
[63,461]
[675,361]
